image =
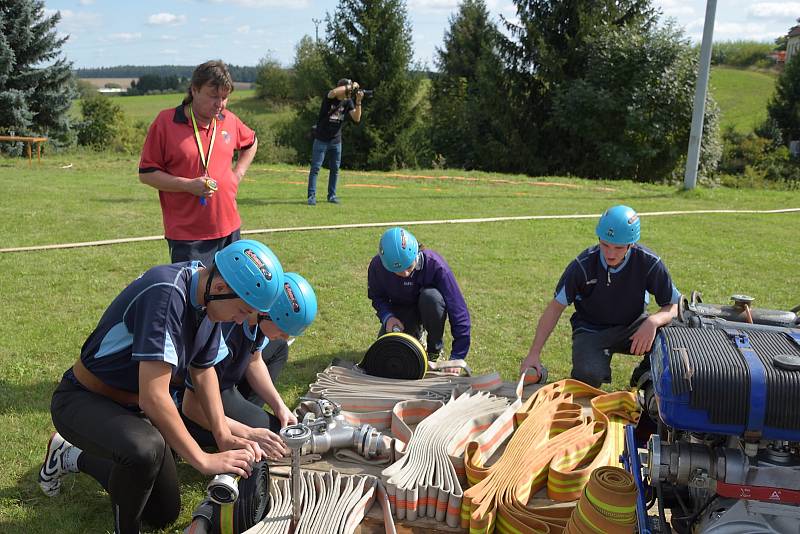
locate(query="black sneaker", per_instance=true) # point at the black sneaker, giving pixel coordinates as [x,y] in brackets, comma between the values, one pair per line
[333,200]
[312,201]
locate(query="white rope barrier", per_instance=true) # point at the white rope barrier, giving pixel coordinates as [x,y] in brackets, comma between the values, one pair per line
[401,223]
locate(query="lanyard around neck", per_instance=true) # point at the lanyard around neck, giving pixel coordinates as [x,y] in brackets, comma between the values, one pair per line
[205,159]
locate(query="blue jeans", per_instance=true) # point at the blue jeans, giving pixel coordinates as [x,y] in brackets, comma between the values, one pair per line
[318,153]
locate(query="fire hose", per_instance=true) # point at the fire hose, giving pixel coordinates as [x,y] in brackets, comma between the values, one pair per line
[425,482]
[554,446]
[356,392]
[608,504]
[330,503]
[224,512]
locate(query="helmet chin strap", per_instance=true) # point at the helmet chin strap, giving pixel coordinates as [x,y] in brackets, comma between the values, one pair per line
[207,296]
[254,333]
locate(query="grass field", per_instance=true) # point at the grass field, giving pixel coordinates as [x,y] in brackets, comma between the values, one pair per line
[146,107]
[507,271]
[742,96]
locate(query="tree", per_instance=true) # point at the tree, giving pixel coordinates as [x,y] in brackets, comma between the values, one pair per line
[784,106]
[273,82]
[36,84]
[370,41]
[547,47]
[629,113]
[467,95]
[310,77]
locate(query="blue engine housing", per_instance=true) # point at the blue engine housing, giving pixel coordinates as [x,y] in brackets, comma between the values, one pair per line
[726,381]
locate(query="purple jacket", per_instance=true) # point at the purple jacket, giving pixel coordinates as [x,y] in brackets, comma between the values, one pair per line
[385,288]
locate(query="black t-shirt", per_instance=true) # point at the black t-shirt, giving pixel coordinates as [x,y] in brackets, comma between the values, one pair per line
[332,114]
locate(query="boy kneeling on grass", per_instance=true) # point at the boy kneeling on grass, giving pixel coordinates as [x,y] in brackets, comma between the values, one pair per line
[113,410]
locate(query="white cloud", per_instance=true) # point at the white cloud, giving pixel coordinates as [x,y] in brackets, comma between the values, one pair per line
[434,5]
[169,51]
[243,29]
[125,37]
[73,22]
[168,38]
[776,10]
[291,4]
[86,2]
[169,19]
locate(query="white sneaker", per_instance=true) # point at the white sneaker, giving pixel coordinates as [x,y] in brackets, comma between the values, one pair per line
[53,468]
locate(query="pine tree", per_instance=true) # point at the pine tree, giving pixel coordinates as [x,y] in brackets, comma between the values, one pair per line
[470,38]
[36,84]
[467,96]
[548,46]
[369,41]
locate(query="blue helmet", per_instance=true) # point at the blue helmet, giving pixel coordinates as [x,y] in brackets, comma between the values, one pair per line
[619,225]
[252,271]
[398,249]
[296,306]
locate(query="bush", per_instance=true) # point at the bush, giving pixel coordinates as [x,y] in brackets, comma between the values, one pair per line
[742,54]
[269,149]
[105,127]
[756,161]
[273,82]
[85,88]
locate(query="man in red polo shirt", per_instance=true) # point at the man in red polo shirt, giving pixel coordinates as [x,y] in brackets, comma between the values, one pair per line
[188,157]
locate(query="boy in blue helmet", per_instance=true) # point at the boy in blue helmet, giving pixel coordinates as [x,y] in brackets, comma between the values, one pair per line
[258,352]
[113,410]
[609,285]
[412,288]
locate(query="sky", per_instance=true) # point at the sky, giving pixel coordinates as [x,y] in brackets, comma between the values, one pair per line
[241,32]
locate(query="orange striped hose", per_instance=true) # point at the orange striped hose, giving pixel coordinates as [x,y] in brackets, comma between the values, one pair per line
[554,446]
[608,504]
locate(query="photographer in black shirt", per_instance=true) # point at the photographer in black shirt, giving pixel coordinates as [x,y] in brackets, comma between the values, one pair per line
[335,108]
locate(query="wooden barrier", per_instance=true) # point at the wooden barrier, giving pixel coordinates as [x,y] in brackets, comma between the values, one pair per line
[28,142]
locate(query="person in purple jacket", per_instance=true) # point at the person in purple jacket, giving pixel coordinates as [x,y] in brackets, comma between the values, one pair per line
[413,288]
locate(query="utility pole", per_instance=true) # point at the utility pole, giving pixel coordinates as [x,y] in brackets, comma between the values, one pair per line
[316,28]
[699,109]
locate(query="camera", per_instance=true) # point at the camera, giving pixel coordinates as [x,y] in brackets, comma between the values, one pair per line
[366,93]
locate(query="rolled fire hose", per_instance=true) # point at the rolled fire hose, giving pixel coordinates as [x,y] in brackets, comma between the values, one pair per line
[425,481]
[331,503]
[396,355]
[233,504]
[553,446]
[608,504]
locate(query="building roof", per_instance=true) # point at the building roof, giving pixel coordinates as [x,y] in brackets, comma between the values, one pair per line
[795,31]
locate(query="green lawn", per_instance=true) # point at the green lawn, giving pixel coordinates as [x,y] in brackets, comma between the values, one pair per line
[507,271]
[742,96]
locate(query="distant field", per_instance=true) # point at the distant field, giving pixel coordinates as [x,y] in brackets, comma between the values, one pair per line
[101,82]
[742,96]
[145,108]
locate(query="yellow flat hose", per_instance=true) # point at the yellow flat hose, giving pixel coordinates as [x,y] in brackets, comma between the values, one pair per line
[554,446]
[608,504]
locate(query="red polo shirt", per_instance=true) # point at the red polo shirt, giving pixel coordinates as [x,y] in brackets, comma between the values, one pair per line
[171,147]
